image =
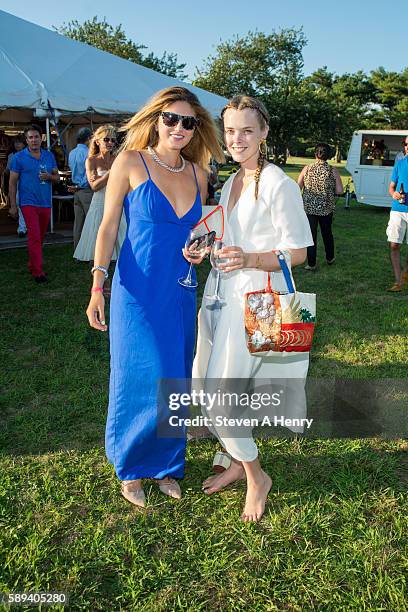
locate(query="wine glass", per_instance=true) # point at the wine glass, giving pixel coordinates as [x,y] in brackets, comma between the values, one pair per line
[216,262]
[196,245]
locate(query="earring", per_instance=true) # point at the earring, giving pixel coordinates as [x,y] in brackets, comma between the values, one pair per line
[263,148]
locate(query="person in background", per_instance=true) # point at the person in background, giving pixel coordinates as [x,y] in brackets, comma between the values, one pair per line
[82,190]
[212,183]
[397,229]
[33,170]
[5,148]
[19,145]
[320,184]
[98,165]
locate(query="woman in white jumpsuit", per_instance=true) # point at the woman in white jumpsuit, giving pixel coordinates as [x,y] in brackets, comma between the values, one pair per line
[263,211]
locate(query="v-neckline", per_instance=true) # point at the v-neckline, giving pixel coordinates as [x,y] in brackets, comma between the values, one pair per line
[149,180]
[171,205]
[229,212]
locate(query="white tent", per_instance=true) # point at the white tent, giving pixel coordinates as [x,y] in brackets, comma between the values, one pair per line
[40,68]
[38,65]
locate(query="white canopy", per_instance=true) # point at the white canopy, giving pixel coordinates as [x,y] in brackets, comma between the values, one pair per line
[37,65]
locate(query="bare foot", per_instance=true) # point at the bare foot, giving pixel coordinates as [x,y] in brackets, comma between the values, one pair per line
[213,484]
[256,499]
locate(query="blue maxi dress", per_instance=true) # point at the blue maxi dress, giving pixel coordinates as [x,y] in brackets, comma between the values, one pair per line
[152,333]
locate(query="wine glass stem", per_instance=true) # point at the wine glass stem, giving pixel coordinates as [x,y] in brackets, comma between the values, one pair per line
[188,278]
[217,283]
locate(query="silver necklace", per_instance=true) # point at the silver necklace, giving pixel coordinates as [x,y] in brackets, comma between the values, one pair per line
[164,165]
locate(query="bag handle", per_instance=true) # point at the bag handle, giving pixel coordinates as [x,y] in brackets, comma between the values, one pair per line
[285,271]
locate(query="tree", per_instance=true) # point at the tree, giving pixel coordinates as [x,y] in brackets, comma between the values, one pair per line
[323,106]
[338,106]
[166,64]
[268,66]
[391,111]
[102,35]
[341,104]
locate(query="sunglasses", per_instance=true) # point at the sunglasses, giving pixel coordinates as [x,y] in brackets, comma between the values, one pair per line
[187,121]
[405,144]
[107,139]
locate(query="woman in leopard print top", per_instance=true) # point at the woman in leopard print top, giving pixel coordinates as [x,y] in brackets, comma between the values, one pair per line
[320,183]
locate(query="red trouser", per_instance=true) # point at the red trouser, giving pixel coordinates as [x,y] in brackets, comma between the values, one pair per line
[37,220]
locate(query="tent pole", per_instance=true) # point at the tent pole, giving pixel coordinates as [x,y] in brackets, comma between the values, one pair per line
[47,124]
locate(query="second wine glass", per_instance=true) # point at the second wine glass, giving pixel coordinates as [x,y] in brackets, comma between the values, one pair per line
[216,262]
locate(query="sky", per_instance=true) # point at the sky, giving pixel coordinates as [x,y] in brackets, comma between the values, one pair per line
[347,36]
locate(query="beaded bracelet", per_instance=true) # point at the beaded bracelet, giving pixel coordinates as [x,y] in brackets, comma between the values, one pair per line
[96,289]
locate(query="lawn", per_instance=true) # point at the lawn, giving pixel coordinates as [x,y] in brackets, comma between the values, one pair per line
[334,535]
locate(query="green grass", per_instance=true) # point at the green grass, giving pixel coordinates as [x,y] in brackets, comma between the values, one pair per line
[334,535]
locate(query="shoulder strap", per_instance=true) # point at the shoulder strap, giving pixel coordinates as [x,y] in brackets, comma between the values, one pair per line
[195,176]
[145,165]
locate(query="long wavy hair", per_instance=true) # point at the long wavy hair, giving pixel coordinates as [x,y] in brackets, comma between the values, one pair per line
[101,132]
[141,129]
[239,103]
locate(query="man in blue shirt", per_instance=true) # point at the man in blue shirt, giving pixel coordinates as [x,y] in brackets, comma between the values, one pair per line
[33,170]
[397,229]
[83,192]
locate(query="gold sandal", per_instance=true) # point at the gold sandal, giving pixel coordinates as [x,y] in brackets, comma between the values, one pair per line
[396,287]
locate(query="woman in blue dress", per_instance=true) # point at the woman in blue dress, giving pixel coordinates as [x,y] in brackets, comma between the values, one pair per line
[159,178]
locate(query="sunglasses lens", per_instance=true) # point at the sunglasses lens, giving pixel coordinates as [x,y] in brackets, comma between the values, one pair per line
[170,119]
[189,123]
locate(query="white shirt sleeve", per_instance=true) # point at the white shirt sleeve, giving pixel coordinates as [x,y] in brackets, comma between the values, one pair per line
[288,216]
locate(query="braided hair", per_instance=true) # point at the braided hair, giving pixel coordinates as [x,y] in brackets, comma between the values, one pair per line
[257,175]
[239,103]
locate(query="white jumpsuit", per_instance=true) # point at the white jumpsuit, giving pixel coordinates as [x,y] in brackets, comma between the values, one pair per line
[275,221]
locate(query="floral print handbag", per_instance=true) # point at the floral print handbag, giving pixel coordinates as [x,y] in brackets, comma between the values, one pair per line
[279,322]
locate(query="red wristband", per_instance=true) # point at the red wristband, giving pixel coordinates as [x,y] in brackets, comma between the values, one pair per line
[96,289]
